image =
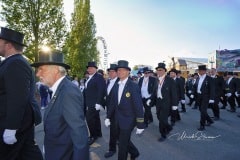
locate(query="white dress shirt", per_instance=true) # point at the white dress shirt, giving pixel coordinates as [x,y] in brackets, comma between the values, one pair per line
[201,79]
[55,85]
[120,88]
[161,81]
[144,88]
[111,83]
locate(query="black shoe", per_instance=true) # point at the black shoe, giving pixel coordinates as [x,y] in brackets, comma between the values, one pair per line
[161,139]
[134,157]
[209,123]
[201,128]
[172,123]
[231,110]
[183,111]
[91,140]
[238,115]
[109,154]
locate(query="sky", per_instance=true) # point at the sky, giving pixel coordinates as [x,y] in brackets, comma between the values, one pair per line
[150,31]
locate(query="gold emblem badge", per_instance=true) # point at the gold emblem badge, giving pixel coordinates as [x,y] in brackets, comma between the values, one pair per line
[128,94]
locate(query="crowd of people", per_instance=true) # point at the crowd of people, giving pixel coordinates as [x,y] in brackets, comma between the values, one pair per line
[72,108]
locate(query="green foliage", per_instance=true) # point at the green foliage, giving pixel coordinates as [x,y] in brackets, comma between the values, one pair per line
[81,44]
[42,22]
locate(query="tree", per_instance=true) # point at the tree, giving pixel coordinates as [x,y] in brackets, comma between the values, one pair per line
[81,44]
[42,22]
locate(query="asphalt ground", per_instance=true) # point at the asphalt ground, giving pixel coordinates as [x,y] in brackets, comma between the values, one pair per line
[220,141]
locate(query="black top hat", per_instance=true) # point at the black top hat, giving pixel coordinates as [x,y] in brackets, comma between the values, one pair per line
[112,67]
[145,69]
[11,36]
[161,65]
[173,70]
[100,71]
[123,64]
[139,72]
[53,58]
[202,67]
[92,64]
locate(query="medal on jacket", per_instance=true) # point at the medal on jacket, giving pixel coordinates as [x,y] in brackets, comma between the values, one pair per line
[128,94]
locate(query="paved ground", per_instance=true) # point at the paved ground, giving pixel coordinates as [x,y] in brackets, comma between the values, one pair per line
[221,141]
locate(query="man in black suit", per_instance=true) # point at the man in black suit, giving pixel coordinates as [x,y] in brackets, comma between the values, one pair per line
[204,90]
[94,93]
[112,81]
[127,107]
[175,116]
[165,98]
[146,84]
[219,90]
[182,85]
[231,88]
[17,86]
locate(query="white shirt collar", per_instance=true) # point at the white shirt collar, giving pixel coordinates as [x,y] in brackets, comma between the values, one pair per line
[123,81]
[56,84]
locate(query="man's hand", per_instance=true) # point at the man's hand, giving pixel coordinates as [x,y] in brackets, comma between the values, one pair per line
[99,107]
[183,101]
[174,107]
[107,122]
[192,96]
[9,136]
[211,101]
[228,94]
[148,102]
[139,131]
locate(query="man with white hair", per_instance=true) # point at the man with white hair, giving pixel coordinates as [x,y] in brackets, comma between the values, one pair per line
[66,134]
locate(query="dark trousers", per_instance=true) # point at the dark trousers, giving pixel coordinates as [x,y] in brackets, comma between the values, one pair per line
[231,101]
[93,122]
[162,115]
[147,113]
[215,107]
[113,135]
[125,145]
[24,149]
[203,102]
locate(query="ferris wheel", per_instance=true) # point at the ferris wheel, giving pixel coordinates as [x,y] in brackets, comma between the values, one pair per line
[104,58]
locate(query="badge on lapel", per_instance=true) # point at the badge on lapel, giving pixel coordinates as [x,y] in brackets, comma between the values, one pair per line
[128,94]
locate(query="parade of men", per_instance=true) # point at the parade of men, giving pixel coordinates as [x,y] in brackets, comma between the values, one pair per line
[119,80]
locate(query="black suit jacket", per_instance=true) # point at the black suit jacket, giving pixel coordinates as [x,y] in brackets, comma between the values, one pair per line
[17,88]
[95,91]
[168,91]
[151,83]
[129,112]
[207,88]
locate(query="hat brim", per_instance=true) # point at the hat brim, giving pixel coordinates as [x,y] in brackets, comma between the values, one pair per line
[92,66]
[10,40]
[162,68]
[124,67]
[113,69]
[37,64]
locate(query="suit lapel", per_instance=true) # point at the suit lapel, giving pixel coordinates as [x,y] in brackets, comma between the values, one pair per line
[53,99]
[124,91]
